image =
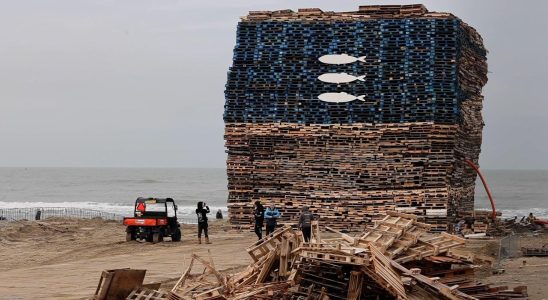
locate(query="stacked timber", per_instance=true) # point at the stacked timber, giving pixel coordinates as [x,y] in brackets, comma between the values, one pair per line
[402,148]
[394,258]
[481,221]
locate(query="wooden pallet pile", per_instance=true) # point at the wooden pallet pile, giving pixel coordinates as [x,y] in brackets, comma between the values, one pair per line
[532,251]
[481,221]
[458,270]
[382,261]
[364,12]
[401,149]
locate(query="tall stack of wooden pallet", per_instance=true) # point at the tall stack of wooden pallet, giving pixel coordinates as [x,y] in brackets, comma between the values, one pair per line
[402,149]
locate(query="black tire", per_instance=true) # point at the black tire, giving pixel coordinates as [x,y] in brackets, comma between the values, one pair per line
[176,236]
[156,238]
[130,237]
[149,238]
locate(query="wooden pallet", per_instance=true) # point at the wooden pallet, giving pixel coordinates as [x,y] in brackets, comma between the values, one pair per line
[340,258]
[118,283]
[204,284]
[384,269]
[146,294]
[268,243]
[393,234]
[429,246]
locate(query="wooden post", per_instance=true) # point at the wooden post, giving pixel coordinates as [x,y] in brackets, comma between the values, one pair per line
[355,285]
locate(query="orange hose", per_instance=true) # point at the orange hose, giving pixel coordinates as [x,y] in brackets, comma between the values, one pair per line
[491,199]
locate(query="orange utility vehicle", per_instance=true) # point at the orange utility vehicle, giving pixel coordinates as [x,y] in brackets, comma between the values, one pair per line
[154,219]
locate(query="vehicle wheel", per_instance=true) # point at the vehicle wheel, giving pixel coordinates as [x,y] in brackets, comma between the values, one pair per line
[176,236]
[149,238]
[129,237]
[156,237]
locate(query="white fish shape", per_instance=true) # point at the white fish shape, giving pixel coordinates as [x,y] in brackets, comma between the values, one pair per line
[340,59]
[340,97]
[339,78]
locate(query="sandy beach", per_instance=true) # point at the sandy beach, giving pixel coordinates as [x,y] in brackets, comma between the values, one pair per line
[63,258]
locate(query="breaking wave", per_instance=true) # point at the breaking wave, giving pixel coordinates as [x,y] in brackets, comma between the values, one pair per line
[184,212]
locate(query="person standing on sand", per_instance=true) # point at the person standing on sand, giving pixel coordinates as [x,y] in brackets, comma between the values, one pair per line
[271,214]
[305,223]
[259,219]
[202,212]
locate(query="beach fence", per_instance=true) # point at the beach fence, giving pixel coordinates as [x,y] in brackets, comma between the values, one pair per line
[40,213]
[16,214]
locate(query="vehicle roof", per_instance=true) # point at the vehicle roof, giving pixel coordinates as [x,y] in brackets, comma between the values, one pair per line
[158,200]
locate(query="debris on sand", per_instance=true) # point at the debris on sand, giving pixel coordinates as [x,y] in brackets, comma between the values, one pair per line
[395,258]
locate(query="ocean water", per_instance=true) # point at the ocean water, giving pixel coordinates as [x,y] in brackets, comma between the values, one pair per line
[115,190]
[516,192]
[112,190]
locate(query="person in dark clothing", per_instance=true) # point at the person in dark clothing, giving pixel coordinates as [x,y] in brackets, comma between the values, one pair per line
[271,214]
[259,219]
[202,212]
[305,223]
[459,227]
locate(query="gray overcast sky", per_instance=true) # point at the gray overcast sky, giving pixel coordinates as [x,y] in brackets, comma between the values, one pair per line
[132,83]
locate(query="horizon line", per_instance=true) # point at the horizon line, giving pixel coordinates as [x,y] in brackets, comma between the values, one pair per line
[194,167]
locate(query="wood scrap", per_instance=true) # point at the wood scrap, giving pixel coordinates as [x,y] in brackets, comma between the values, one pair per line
[119,283]
[146,294]
[346,267]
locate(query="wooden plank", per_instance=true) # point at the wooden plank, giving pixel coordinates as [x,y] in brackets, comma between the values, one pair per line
[341,258]
[355,286]
[383,267]
[268,243]
[119,283]
[267,266]
[445,292]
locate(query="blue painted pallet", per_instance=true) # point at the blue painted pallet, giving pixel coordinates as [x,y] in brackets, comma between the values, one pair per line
[411,71]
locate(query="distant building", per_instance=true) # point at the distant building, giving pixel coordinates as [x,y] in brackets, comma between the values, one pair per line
[354,113]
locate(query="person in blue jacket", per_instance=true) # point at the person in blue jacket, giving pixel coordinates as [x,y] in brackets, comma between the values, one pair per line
[271,215]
